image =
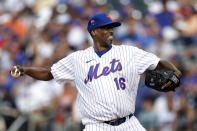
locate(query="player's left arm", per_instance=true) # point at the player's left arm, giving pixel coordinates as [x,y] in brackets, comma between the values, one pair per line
[166,65]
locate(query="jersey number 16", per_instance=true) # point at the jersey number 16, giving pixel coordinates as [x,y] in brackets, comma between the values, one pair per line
[120,83]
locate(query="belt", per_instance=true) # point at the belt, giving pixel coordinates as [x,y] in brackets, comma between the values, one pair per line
[118,121]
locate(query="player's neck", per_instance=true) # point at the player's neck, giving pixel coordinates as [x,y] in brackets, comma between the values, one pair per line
[99,47]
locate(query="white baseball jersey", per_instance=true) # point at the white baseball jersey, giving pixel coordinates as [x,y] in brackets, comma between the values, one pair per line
[107,85]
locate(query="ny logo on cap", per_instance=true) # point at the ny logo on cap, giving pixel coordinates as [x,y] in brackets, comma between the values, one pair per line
[92,22]
[108,16]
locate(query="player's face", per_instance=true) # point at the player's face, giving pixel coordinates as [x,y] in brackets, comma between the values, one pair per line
[105,35]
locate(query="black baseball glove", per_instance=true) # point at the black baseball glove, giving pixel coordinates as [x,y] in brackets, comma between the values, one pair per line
[155,79]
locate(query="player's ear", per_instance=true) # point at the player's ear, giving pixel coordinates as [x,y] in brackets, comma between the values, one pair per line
[93,32]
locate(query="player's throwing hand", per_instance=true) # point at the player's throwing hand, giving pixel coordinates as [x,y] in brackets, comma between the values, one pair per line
[16,71]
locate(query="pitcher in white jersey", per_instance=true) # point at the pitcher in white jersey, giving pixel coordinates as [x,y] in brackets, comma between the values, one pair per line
[106,77]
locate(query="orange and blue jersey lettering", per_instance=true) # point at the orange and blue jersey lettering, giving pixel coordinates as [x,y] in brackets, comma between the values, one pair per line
[93,72]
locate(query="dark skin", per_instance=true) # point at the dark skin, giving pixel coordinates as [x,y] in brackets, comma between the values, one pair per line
[102,38]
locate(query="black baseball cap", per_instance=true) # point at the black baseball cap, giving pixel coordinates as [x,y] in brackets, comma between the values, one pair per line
[100,20]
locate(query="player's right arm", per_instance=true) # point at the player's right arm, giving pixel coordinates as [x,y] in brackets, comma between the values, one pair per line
[38,73]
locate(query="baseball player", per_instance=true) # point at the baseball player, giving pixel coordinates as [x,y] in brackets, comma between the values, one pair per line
[106,77]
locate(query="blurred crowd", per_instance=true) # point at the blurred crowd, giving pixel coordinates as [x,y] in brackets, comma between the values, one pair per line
[41,32]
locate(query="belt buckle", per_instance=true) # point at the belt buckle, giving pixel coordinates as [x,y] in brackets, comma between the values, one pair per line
[112,121]
[127,118]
